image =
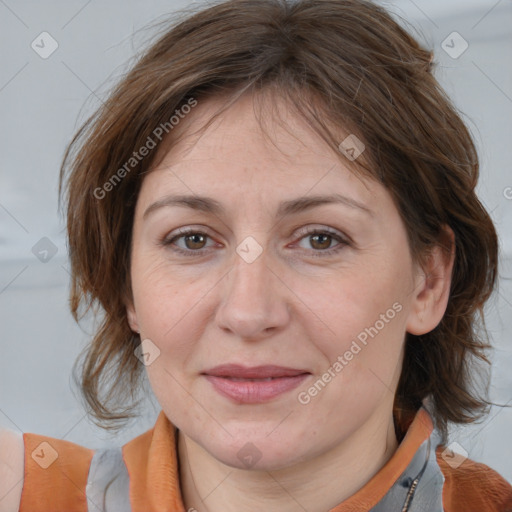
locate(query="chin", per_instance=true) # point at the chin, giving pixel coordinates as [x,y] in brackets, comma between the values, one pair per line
[252,460]
[261,454]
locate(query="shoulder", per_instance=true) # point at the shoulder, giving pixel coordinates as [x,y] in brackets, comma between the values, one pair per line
[36,469]
[472,486]
[11,469]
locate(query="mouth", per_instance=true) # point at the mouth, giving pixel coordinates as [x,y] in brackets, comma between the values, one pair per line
[252,385]
[238,379]
[236,371]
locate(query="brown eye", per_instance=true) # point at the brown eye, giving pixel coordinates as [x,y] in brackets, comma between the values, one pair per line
[195,241]
[321,241]
[188,242]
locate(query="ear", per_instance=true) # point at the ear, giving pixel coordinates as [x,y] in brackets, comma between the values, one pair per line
[432,286]
[132,317]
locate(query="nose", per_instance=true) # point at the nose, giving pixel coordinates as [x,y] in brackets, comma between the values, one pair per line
[254,299]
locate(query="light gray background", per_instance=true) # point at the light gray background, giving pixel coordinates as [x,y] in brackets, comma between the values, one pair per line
[43,102]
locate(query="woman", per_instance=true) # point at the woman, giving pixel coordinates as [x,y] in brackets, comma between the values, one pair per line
[275,210]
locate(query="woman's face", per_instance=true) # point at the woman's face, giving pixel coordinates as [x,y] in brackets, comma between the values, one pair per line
[254,286]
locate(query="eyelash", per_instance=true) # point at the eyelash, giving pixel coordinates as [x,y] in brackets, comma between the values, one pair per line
[183,232]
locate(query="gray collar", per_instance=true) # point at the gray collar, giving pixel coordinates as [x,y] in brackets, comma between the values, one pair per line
[420,487]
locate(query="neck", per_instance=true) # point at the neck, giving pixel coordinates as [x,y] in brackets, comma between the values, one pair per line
[208,485]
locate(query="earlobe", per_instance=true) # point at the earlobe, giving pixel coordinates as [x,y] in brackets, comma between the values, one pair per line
[132,318]
[432,289]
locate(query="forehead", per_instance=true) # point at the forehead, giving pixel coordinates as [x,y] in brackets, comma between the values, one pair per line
[254,149]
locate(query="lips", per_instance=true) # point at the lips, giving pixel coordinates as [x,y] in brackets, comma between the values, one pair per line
[235,371]
[252,385]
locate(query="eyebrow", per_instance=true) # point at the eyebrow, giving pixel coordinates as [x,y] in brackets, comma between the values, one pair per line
[286,208]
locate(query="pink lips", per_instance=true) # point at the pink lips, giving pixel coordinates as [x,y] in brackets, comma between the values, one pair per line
[254,384]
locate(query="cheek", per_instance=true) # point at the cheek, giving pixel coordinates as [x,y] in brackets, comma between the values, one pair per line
[166,308]
[162,298]
[356,303]
[163,307]
[363,327]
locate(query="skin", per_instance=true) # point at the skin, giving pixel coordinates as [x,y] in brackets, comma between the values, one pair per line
[292,306]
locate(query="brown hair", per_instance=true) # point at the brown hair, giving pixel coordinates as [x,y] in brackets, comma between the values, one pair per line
[371,78]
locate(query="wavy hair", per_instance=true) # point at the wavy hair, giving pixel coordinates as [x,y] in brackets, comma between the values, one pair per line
[340,64]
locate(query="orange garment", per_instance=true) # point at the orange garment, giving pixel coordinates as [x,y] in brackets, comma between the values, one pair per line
[151,461]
